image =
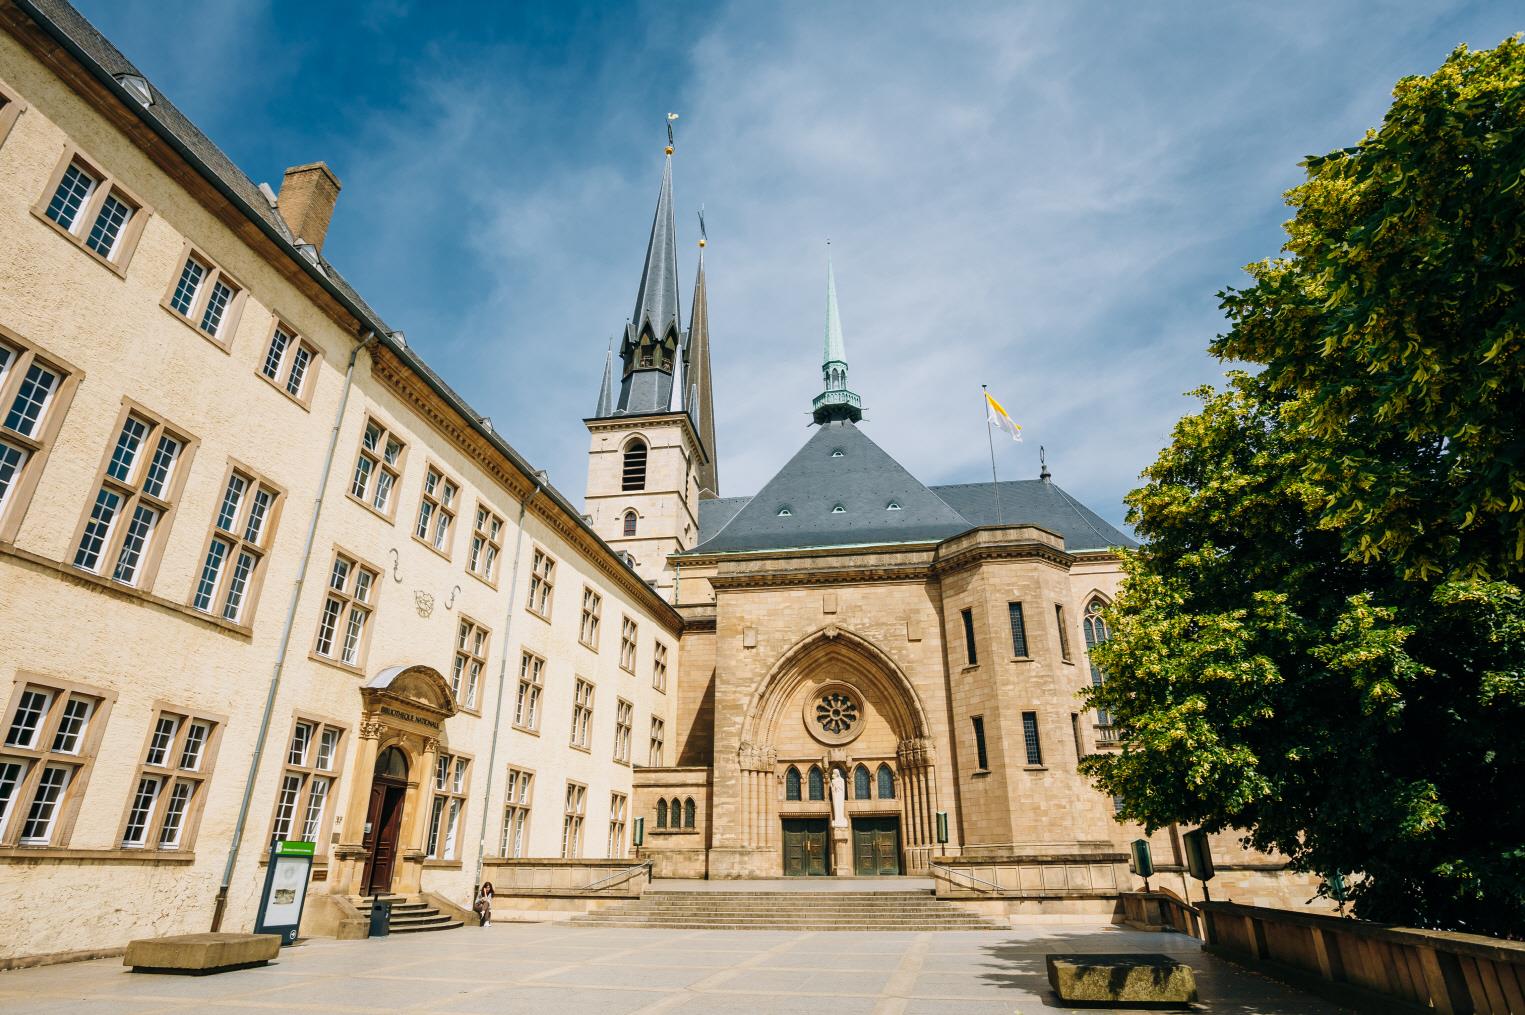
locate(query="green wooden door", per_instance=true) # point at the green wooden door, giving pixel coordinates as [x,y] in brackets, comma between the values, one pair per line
[804,847]
[876,846]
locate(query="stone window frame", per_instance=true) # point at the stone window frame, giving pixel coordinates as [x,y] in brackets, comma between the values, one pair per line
[624,730]
[440,500]
[981,746]
[517,806]
[285,362]
[582,714]
[11,108]
[630,633]
[37,445]
[630,521]
[633,466]
[348,599]
[1064,635]
[659,665]
[39,758]
[619,811]
[1032,742]
[473,641]
[105,186]
[971,645]
[172,775]
[455,790]
[307,774]
[238,544]
[486,545]
[574,815]
[213,274]
[657,743]
[132,495]
[592,618]
[794,785]
[377,466]
[542,581]
[530,693]
[1017,618]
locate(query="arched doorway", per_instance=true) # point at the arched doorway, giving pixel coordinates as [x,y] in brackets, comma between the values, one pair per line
[383,819]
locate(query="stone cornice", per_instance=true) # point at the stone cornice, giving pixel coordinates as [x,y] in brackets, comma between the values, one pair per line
[406,385]
[973,555]
[909,574]
[656,421]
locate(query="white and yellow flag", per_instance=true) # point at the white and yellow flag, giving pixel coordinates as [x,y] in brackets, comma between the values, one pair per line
[1000,420]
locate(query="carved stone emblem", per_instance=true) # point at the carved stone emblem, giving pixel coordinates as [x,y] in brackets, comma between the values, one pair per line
[423,602]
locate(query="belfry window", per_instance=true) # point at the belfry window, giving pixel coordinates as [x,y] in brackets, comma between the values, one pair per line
[792,784]
[817,783]
[634,475]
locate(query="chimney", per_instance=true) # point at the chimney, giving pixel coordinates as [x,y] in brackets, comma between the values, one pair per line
[306,201]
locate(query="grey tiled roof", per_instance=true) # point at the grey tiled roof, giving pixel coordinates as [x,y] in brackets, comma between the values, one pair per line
[864,481]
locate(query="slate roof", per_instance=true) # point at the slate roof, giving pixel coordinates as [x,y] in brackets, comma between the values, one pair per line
[864,480]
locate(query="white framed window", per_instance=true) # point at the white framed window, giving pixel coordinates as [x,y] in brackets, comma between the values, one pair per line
[313,759]
[89,207]
[619,803]
[166,802]
[516,814]
[243,529]
[572,819]
[592,617]
[542,581]
[35,390]
[659,667]
[624,726]
[290,363]
[436,511]
[378,466]
[470,660]
[582,713]
[655,751]
[205,297]
[344,625]
[52,732]
[531,684]
[448,808]
[627,644]
[486,545]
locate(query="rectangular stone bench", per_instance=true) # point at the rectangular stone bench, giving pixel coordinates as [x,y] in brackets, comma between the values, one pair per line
[201,954]
[1127,980]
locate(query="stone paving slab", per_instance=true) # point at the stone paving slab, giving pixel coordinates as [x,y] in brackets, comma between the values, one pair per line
[544,968]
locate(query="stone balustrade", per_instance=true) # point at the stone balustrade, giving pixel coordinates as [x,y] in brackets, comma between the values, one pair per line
[537,877]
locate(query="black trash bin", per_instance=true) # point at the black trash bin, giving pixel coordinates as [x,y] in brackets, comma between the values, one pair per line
[381,917]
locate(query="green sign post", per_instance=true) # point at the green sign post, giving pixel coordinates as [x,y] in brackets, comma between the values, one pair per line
[285,891]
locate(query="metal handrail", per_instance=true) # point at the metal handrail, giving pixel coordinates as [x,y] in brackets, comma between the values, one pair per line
[618,876]
[948,873]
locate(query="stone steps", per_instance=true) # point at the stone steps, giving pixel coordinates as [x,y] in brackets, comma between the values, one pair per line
[786,911]
[410,916]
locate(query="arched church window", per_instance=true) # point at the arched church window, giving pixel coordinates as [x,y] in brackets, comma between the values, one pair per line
[886,783]
[630,523]
[634,477]
[392,764]
[688,813]
[1095,628]
[860,783]
[817,783]
[792,784]
[661,813]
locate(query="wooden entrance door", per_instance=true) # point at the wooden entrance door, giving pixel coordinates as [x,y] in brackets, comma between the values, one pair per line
[383,823]
[876,846]
[805,845]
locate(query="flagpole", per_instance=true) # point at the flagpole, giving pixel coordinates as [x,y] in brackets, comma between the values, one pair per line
[990,439]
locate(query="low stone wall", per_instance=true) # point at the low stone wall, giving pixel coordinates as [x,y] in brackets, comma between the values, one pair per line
[1033,876]
[1161,910]
[1372,966]
[564,878]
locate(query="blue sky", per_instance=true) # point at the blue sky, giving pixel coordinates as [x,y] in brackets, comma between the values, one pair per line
[1041,197]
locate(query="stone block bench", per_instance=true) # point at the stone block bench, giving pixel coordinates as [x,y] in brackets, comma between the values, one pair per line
[201,954]
[1130,980]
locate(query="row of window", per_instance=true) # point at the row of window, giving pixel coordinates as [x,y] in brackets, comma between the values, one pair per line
[814,783]
[1094,626]
[527,714]
[514,841]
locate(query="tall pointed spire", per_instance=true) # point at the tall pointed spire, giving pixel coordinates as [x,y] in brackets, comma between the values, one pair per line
[606,389]
[836,401]
[696,372]
[654,333]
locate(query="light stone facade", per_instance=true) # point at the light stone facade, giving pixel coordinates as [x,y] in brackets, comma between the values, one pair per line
[135,651]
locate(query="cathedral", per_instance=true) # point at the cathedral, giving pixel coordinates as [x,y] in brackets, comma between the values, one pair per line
[873,672]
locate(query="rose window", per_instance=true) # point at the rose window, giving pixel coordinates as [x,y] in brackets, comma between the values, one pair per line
[836,713]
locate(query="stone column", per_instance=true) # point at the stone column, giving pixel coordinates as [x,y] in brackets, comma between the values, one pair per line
[916,758]
[758,806]
[347,860]
[409,875]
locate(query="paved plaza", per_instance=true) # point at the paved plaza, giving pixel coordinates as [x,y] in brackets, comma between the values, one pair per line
[544,968]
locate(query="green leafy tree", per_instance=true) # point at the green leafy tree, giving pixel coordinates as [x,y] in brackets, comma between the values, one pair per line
[1322,641]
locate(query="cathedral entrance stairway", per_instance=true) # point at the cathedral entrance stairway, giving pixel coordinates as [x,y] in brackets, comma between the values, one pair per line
[848,904]
[410,916]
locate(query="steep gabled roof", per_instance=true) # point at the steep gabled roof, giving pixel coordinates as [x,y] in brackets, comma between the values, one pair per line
[1035,502]
[840,489]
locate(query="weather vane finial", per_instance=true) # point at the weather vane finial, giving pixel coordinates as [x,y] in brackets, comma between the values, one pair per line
[670,118]
[704,238]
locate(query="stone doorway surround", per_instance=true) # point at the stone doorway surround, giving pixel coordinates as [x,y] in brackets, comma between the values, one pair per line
[403,707]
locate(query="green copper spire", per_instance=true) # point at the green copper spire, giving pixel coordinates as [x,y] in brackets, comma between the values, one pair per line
[836,401]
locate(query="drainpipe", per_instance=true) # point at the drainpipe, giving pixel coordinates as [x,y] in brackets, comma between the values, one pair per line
[221,905]
[497,715]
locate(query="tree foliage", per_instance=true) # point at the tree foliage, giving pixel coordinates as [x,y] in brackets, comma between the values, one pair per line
[1322,640]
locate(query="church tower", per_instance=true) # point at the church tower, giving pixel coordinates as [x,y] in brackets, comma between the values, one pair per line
[651,456]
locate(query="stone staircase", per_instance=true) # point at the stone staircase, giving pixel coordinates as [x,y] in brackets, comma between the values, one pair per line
[410,916]
[785,910]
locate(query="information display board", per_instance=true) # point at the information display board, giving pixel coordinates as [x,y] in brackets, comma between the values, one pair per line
[286,877]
